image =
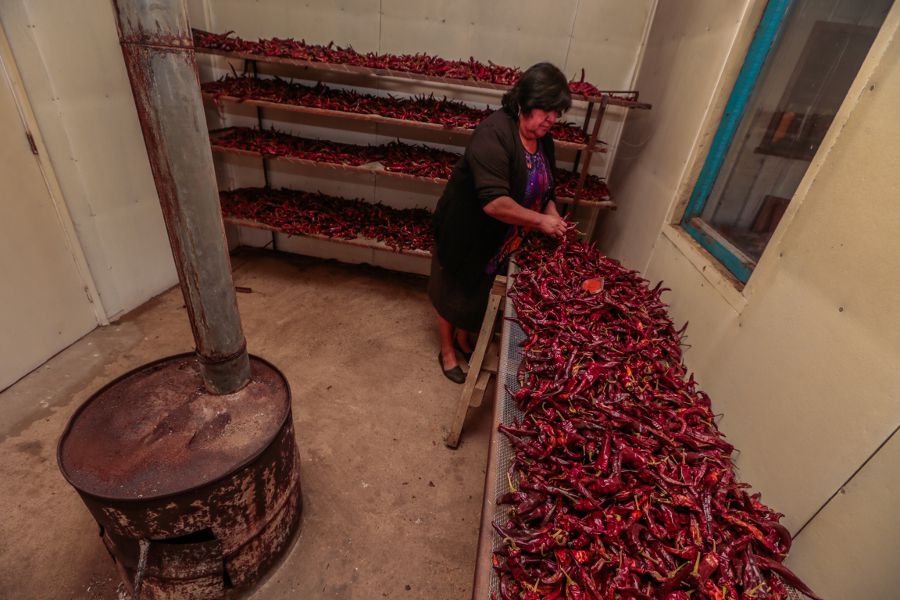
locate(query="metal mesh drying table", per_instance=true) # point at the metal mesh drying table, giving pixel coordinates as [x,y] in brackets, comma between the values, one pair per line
[500,452]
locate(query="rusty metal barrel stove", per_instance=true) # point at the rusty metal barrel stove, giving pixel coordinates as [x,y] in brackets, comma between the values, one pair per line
[188,464]
[209,483]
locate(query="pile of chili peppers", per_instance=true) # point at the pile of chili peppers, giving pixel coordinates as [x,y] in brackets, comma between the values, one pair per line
[307,213]
[595,188]
[422,64]
[274,143]
[430,162]
[418,160]
[423,109]
[621,485]
[397,157]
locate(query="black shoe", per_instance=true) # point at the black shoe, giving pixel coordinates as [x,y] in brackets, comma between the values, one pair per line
[455,374]
[456,344]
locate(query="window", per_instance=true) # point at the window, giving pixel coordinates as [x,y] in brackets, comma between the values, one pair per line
[802,60]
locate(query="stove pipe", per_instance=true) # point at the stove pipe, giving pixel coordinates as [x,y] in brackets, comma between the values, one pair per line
[159,55]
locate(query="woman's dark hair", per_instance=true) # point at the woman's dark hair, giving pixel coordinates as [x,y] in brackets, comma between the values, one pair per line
[541,86]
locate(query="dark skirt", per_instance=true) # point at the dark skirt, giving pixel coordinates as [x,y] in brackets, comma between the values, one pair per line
[462,305]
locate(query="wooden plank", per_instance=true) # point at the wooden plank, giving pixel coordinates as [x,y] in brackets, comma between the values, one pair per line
[492,357]
[600,204]
[480,386]
[485,336]
[586,158]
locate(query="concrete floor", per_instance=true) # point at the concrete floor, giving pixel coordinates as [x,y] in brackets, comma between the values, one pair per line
[389,512]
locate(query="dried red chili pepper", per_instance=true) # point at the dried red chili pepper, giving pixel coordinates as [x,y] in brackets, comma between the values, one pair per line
[423,109]
[307,213]
[274,143]
[396,157]
[422,64]
[595,188]
[619,440]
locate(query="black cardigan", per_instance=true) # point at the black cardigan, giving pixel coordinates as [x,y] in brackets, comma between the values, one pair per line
[493,165]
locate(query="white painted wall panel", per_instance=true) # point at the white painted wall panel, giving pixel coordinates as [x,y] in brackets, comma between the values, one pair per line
[850,549]
[346,22]
[606,41]
[506,32]
[71,64]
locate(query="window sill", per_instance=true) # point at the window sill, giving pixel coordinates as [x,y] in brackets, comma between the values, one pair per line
[717,275]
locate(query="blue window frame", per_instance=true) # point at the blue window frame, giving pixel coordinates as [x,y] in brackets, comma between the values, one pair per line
[734,111]
[797,71]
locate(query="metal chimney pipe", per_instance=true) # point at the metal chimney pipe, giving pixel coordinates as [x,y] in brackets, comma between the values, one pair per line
[159,55]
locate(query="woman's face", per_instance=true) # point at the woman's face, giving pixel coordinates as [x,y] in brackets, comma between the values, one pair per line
[537,122]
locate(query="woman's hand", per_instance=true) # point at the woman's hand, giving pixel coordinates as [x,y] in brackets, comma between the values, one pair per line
[552,225]
[509,211]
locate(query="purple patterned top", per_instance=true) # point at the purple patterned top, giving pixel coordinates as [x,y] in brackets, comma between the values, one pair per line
[537,193]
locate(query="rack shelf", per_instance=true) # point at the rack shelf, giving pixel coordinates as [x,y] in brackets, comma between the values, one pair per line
[350,116]
[358,241]
[627,99]
[371,168]
[595,110]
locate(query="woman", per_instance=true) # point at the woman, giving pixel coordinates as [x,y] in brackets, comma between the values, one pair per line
[502,185]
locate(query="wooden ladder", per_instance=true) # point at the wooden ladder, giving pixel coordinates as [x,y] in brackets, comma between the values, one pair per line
[483,364]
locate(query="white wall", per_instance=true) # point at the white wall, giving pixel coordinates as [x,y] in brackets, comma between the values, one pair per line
[850,549]
[69,57]
[803,359]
